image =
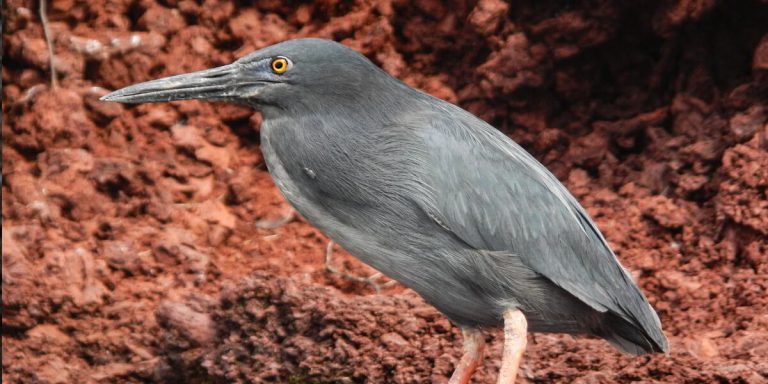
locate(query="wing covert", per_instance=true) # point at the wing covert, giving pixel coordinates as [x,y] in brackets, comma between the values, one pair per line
[494,196]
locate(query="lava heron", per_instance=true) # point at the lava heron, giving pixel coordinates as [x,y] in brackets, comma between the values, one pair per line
[430,195]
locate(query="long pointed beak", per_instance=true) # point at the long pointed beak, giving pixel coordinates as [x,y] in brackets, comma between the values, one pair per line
[220,83]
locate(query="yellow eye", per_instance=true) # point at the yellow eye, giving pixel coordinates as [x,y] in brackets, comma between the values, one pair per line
[279,65]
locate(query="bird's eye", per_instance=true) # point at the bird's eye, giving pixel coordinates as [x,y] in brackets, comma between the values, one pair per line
[279,65]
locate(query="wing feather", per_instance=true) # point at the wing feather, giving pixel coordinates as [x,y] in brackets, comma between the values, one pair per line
[495,196]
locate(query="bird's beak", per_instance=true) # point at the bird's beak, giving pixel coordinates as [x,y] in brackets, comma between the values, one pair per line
[220,83]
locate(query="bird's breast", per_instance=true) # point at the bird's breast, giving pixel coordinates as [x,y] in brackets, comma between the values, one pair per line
[363,181]
[306,175]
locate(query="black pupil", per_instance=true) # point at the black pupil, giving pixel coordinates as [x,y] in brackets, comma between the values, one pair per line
[279,64]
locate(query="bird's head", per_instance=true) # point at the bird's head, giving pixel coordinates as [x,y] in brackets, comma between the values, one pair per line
[301,73]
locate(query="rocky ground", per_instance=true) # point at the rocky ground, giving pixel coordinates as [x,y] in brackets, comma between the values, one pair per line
[134,245]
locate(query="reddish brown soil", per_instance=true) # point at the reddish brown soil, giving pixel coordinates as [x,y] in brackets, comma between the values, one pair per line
[131,245]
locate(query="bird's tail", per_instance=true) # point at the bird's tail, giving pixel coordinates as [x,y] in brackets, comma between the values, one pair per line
[632,338]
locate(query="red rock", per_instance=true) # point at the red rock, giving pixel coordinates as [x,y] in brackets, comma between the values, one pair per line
[745,124]
[393,340]
[760,59]
[48,333]
[217,156]
[35,52]
[162,20]
[664,211]
[487,15]
[673,14]
[215,212]
[663,143]
[194,326]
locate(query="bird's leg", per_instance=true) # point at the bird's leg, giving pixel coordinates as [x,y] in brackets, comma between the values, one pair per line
[371,280]
[515,339]
[474,346]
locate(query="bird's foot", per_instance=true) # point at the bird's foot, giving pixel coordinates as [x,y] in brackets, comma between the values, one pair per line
[372,280]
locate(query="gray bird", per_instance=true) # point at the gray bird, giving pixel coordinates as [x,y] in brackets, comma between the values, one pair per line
[430,195]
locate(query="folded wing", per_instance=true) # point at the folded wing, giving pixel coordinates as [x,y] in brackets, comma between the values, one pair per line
[494,196]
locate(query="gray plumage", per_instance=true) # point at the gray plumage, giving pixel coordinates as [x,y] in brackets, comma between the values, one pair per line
[427,193]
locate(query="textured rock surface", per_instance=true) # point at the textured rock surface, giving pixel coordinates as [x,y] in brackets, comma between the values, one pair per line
[131,251]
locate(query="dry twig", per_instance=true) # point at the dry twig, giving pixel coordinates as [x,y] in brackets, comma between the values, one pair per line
[371,280]
[49,42]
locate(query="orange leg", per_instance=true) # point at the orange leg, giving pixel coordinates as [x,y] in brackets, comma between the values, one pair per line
[515,339]
[474,346]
